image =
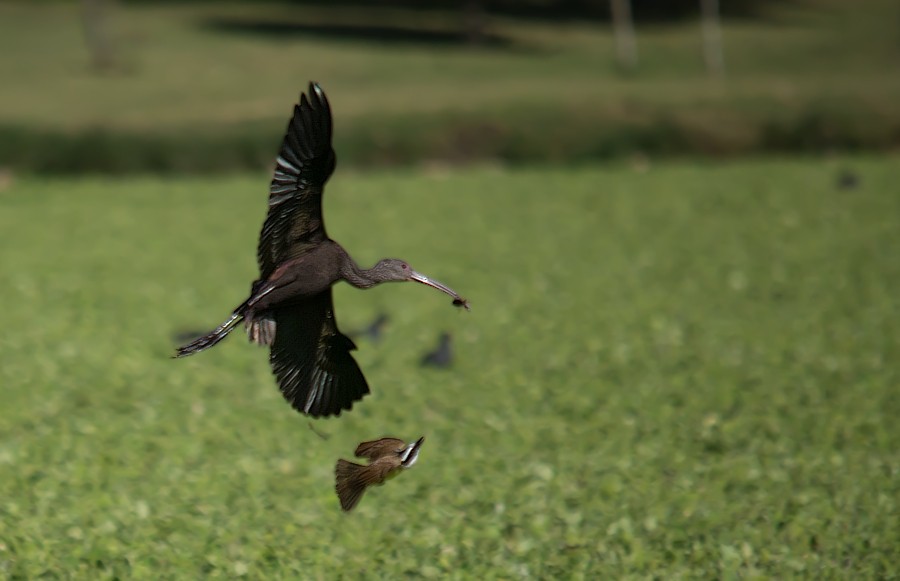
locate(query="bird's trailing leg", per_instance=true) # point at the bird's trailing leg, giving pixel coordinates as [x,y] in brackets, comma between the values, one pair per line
[261,329]
[212,338]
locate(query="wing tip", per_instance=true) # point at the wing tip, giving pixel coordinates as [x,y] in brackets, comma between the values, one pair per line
[335,410]
[324,405]
[308,138]
[315,99]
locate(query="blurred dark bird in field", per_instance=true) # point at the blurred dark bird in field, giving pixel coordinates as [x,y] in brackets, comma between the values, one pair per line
[374,330]
[847,179]
[387,457]
[290,306]
[442,356]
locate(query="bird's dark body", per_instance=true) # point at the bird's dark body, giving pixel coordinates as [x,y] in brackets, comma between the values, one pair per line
[303,277]
[290,305]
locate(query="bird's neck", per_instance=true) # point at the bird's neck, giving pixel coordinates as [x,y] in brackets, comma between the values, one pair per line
[353,274]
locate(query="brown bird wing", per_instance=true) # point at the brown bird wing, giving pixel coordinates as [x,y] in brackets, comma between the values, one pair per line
[305,162]
[311,359]
[351,480]
[378,448]
[348,485]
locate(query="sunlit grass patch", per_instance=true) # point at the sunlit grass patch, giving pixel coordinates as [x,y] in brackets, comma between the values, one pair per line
[688,370]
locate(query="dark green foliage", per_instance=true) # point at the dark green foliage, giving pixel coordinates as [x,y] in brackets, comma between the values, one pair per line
[203,88]
[644,10]
[514,137]
[105,151]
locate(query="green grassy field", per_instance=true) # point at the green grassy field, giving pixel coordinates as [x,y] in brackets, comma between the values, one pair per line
[689,372]
[188,95]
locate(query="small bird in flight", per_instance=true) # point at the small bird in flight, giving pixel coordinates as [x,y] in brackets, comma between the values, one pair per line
[387,457]
[290,306]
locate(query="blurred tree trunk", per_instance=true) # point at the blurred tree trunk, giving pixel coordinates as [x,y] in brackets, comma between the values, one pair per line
[95,18]
[713,54]
[623,31]
[475,21]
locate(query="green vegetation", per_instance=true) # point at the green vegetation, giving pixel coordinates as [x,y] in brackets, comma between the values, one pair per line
[192,93]
[689,372]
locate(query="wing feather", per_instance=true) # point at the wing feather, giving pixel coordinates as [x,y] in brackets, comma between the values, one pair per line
[311,359]
[304,163]
[378,448]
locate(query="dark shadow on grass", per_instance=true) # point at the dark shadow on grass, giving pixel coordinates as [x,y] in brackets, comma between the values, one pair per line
[558,11]
[375,33]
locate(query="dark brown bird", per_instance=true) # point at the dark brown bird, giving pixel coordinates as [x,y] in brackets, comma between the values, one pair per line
[847,179]
[290,307]
[442,356]
[387,457]
[374,330]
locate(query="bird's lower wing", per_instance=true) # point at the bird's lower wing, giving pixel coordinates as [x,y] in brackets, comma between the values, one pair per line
[311,359]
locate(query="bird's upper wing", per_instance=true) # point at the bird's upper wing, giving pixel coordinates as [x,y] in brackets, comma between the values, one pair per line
[378,448]
[305,162]
[311,359]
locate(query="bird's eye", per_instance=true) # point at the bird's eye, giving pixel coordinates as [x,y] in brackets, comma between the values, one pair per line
[405,267]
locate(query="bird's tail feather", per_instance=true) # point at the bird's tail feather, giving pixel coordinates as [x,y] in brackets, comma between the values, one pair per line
[350,483]
[261,330]
[212,338]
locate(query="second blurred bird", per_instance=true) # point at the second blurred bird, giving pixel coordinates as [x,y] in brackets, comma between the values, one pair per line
[374,330]
[387,457]
[442,356]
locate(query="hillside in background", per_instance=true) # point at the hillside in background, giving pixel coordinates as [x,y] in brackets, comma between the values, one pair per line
[205,86]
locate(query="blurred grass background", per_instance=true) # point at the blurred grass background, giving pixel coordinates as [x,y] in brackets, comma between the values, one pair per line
[688,372]
[681,362]
[204,86]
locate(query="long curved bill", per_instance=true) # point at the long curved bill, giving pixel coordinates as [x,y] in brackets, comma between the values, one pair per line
[458,301]
[409,456]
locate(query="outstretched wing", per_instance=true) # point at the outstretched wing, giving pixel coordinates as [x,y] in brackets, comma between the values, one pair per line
[379,448]
[305,162]
[311,359]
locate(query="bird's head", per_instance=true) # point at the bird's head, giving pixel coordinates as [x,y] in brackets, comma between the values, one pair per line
[396,270]
[410,454]
[393,270]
